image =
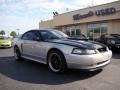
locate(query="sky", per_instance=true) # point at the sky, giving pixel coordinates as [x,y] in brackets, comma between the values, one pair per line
[26,14]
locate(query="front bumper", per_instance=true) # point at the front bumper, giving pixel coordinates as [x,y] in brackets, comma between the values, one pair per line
[88,62]
[5,45]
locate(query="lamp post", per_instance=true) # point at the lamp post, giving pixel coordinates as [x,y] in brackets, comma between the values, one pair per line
[18,31]
[8,33]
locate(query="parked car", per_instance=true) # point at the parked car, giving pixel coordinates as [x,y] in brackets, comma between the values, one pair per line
[54,48]
[111,40]
[5,42]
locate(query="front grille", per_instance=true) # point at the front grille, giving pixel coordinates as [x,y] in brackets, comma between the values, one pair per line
[117,42]
[5,45]
[104,49]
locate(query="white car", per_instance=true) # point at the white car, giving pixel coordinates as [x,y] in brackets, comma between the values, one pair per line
[59,52]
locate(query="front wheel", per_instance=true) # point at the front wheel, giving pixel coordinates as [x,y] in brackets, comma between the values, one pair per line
[56,62]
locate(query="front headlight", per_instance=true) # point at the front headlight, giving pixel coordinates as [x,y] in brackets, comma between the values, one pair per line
[83,51]
[111,41]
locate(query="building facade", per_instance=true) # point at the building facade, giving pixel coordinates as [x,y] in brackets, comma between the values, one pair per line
[93,21]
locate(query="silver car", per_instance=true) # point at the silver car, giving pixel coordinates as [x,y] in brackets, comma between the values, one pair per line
[59,52]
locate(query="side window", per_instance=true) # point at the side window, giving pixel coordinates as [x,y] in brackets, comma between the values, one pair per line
[32,35]
[35,36]
[45,35]
[25,36]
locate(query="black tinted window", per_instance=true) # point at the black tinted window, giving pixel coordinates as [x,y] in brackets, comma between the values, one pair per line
[53,34]
[46,35]
[32,35]
[115,35]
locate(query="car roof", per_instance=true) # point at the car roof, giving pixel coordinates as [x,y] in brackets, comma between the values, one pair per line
[42,30]
[115,34]
[111,35]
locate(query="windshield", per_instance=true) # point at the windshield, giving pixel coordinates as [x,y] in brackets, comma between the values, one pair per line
[115,35]
[52,34]
[59,34]
[3,38]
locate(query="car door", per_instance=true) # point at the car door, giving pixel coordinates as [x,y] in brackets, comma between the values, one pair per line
[29,44]
[32,47]
[36,47]
[25,45]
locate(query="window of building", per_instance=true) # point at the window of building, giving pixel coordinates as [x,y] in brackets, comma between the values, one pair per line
[73,31]
[96,30]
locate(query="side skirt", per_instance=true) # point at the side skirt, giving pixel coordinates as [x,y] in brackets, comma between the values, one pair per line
[33,59]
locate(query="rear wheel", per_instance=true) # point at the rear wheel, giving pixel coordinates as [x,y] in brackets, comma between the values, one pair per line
[56,62]
[17,53]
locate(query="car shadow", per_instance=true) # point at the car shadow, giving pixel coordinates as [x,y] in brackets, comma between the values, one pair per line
[5,47]
[33,72]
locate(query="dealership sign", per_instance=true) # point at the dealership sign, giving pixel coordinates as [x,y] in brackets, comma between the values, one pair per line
[101,12]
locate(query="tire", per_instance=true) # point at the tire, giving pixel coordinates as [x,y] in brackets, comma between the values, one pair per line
[17,53]
[57,62]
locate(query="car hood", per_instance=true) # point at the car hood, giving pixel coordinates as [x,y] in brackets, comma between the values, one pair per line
[79,43]
[4,41]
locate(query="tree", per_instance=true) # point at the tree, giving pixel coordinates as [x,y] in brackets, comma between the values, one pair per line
[13,34]
[2,32]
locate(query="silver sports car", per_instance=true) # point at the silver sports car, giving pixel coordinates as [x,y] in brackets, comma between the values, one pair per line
[59,52]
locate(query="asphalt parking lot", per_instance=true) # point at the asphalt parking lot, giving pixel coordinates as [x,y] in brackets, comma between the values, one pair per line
[28,75]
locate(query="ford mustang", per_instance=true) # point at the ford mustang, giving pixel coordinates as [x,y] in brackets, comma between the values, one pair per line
[59,52]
